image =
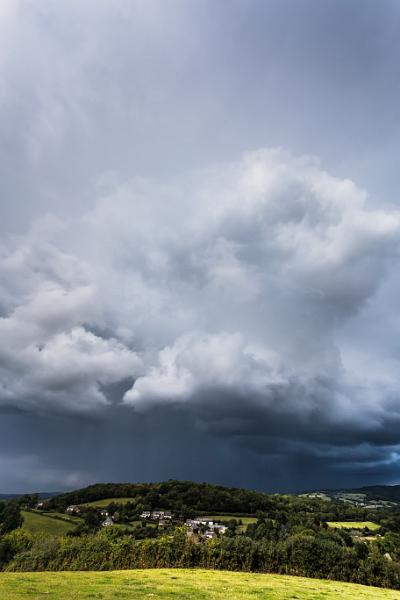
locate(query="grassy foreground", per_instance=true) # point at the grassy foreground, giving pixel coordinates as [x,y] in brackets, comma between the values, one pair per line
[175,584]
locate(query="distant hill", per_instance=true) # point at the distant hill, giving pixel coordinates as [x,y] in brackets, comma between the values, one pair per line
[42,495]
[369,496]
[174,495]
[204,497]
[382,492]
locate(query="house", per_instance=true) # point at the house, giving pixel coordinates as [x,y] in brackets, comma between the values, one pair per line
[198,522]
[39,506]
[73,509]
[156,514]
[208,529]
[221,529]
[161,514]
[107,522]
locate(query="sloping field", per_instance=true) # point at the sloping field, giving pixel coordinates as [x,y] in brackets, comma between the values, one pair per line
[174,584]
[107,501]
[222,518]
[225,518]
[35,522]
[353,525]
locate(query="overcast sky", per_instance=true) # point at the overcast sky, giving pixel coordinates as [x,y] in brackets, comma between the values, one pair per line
[199,242]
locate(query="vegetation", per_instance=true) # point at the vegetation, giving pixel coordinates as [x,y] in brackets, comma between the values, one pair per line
[178,496]
[268,548]
[103,503]
[10,516]
[292,535]
[225,518]
[353,525]
[171,584]
[380,492]
[239,524]
[36,522]
[191,499]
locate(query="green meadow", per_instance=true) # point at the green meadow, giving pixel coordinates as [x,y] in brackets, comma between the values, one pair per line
[225,518]
[36,522]
[107,501]
[222,518]
[353,525]
[173,584]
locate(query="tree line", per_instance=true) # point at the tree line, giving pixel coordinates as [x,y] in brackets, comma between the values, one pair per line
[322,554]
[189,499]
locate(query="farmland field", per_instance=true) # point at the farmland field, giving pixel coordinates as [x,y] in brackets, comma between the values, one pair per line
[107,501]
[179,585]
[221,518]
[353,525]
[245,520]
[35,522]
[64,516]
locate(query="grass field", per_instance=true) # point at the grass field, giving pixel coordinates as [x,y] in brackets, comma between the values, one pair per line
[174,584]
[245,520]
[107,501]
[36,522]
[64,516]
[353,525]
[221,518]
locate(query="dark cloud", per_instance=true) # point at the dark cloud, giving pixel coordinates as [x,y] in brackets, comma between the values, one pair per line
[171,303]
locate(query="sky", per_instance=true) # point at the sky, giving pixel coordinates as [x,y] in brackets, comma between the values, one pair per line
[199,243]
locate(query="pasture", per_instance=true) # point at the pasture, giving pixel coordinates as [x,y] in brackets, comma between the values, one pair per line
[106,501]
[36,522]
[174,584]
[225,518]
[353,525]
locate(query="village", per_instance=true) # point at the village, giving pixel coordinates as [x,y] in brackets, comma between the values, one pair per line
[200,528]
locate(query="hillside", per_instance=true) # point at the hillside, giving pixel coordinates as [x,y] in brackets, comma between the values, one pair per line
[52,525]
[382,492]
[374,496]
[41,495]
[184,584]
[173,495]
[188,497]
[187,524]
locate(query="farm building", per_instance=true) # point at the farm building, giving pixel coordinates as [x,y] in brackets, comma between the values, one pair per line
[73,509]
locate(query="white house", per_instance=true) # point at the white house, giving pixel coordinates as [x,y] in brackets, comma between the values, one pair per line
[73,509]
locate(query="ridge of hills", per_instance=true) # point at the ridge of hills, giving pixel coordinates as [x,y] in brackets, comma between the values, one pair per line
[176,494]
[203,496]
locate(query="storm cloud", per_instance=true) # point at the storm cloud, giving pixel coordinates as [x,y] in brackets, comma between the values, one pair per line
[176,306]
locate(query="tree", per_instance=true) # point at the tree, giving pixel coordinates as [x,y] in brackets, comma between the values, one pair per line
[11,517]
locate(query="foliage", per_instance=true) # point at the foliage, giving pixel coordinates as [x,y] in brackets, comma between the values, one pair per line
[10,516]
[190,499]
[311,553]
[289,535]
[369,525]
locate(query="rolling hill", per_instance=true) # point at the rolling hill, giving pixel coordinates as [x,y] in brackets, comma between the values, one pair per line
[53,525]
[187,584]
